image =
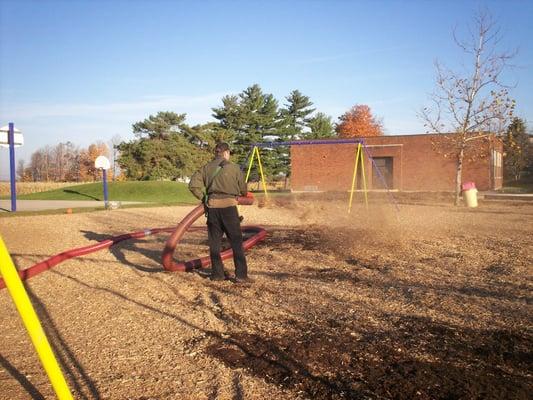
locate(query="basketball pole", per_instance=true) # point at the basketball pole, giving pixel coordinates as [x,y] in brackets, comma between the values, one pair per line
[12,170]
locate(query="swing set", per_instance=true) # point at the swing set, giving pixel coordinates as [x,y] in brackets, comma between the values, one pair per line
[360,153]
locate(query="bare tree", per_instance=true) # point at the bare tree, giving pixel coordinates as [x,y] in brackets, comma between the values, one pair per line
[114,152]
[47,163]
[71,162]
[59,162]
[21,168]
[473,102]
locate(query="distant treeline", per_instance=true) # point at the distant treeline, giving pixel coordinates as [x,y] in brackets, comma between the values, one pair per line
[64,162]
[166,147]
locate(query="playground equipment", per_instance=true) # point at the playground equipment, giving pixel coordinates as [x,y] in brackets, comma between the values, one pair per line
[32,324]
[358,156]
[9,136]
[360,152]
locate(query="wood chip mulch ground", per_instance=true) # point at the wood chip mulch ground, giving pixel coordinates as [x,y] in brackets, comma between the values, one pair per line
[433,302]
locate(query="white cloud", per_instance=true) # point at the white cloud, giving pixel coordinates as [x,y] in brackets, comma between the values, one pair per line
[84,123]
[194,105]
[340,56]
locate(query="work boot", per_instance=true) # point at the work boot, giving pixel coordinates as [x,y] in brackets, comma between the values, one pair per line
[217,277]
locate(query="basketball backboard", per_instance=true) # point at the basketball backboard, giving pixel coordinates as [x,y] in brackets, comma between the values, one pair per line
[19,140]
[102,162]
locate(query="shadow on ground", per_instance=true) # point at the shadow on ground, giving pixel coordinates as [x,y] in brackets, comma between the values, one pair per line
[419,358]
[70,191]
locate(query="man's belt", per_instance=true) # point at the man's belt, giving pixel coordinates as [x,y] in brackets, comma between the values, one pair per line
[218,195]
[221,203]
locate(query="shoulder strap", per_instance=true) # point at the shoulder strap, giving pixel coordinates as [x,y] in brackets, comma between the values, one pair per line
[212,179]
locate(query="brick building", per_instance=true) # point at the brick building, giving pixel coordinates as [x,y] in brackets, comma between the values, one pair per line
[406,162]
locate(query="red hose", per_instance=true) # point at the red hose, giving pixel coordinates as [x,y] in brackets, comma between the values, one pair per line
[167,253]
[184,226]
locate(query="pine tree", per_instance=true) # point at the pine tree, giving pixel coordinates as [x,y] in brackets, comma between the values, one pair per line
[320,127]
[166,148]
[160,125]
[230,117]
[295,116]
[293,119]
[248,118]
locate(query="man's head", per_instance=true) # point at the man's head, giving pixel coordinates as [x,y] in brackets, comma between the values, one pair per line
[222,150]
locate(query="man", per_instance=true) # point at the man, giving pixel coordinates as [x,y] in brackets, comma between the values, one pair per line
[218,183]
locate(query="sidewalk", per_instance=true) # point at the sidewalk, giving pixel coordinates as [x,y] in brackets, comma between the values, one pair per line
[39,205]
[507,196]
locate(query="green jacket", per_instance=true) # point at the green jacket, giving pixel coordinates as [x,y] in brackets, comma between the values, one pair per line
[228,183]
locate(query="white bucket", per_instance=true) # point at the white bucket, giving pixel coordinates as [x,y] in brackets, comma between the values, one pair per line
[470,196]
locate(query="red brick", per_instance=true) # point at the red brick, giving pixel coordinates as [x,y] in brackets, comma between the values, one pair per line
[416,164]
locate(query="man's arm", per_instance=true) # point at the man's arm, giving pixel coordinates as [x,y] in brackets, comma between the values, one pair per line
[196,185]
[243,188]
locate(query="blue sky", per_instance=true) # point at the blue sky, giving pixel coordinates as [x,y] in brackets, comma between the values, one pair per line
[87,70]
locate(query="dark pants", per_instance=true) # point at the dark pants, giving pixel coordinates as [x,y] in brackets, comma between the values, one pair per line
[220,221]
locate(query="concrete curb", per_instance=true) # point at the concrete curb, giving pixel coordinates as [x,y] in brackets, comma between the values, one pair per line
[40,205]
[508,196]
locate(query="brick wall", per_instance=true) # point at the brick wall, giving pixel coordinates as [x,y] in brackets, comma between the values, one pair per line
[416,164]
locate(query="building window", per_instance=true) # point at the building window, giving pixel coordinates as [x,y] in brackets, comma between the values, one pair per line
[497,164]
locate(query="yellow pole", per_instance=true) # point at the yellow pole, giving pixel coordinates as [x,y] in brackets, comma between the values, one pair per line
[250,165]
[364,178]
[32,324]
[354,177]
[261,171]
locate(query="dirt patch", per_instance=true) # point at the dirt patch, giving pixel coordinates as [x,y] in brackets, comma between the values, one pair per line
[433,302]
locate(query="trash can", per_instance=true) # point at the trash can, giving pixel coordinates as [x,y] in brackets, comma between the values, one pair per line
[470,194]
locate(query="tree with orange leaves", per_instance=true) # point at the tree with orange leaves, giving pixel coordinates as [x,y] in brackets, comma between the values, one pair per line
[87,170]
[359,122]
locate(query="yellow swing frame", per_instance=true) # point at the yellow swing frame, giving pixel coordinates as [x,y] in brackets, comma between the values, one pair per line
[255,152]
[31,322]
[359,155]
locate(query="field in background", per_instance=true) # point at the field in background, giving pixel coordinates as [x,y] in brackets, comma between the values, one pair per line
[33,187]
[24,188]
[145,191]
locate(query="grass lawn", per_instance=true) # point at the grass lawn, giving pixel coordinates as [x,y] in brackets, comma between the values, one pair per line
[145,191]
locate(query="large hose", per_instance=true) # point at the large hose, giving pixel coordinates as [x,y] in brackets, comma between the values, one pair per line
[184,226]
[81,251]
[178,233]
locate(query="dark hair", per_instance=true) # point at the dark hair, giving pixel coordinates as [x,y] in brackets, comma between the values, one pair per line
[221,148]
